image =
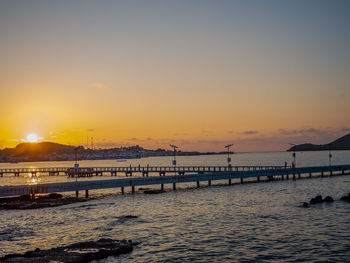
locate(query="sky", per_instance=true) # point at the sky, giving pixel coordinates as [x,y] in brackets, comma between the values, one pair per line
[199,74]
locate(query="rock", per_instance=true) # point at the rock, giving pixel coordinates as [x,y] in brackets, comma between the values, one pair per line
[313,201]
[306,205]
[319,199]
[54,196]
[328,199]
[78,252]
[153,192]
[345,198]
[130,216]
[25,198]
[316,200]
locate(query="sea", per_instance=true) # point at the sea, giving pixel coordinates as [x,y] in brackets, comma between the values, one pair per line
[257,222]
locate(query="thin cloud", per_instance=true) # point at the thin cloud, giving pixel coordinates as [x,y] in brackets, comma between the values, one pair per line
[99,85]
[250,132]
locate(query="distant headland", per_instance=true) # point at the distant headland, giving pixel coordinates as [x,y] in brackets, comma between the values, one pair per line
[343,143]
[50,151]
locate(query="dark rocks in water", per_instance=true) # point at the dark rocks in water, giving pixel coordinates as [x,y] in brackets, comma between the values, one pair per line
[25,198]
[130,216]
[306,205]
[75,253]
[40,202]
[319,199]
[153,192]
[54,196]
[328,199]
[345,197]
[313,201]
[316,200]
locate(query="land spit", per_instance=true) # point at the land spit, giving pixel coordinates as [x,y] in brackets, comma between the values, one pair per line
[75,253]
[35,202]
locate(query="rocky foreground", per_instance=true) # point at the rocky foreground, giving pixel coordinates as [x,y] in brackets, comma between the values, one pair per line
[75,253]
[28,202]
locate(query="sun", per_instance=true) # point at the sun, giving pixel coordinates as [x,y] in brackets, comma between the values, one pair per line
[32,137]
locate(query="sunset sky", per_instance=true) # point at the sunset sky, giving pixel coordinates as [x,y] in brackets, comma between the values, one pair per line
[199,74]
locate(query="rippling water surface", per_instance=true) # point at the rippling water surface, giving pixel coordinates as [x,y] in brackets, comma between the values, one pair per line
[248,223]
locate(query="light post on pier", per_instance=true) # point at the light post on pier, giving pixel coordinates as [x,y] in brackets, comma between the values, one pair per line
[294,156]
[228,155]
[330,155]
[174,147]
[76,165]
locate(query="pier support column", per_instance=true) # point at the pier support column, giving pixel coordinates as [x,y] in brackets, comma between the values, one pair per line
[229,181]
[258,179]
[133,189]
[293,176]
[198,185]
[287,176]
[322,174]
[241,180]
[122,188]
[342,172]
[1,175]
[86,193]
[209,182]
[299,175]
[162,187]
[76,194]
[310,175]
[331,173]
[174,186]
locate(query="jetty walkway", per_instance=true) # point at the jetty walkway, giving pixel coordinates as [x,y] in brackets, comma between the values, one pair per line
[127,170]
[209,176]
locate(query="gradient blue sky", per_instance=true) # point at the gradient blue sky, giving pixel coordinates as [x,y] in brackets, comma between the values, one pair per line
[197,73]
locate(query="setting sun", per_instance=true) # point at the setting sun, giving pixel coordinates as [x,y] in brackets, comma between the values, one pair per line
[32,137]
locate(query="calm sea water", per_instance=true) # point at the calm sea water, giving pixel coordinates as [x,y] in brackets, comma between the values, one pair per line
[240,223]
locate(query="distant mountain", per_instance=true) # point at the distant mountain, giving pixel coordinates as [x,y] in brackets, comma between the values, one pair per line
[41,148]
[343,143]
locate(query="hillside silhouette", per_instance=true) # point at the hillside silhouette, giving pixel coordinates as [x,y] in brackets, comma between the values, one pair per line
[41,148]
[343,143]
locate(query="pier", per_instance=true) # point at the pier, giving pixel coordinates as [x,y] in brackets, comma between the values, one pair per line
[209,176]
[128,170]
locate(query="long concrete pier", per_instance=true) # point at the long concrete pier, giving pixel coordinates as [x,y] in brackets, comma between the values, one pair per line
[132,182]
[127,170]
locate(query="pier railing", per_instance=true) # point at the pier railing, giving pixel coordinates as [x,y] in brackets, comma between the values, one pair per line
[130,170]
